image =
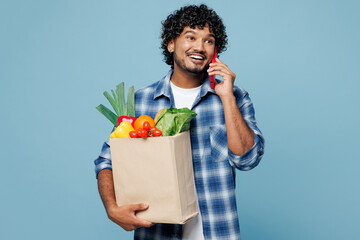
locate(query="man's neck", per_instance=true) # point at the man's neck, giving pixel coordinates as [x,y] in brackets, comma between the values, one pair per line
[184,79]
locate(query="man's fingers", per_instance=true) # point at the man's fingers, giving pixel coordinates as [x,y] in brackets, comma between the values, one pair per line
[143,223]
[219,63]
[219,68]
[137,221]
[217,72]
[139,207]
[125,216]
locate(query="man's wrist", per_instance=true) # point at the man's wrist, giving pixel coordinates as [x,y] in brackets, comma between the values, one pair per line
[111,209]
[228,100]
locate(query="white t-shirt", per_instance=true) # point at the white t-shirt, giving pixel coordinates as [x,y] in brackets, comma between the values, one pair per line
[192,230]
[184,97]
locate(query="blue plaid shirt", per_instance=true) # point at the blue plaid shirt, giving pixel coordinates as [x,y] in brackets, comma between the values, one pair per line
[214,163]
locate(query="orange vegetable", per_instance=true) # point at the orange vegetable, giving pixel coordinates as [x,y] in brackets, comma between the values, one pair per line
[157,115]
[139,122]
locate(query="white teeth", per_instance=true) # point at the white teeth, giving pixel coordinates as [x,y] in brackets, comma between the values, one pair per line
[196,57]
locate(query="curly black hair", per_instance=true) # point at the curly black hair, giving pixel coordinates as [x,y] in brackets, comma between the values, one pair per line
[192,16]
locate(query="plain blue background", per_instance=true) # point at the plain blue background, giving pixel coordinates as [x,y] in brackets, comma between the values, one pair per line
[298,59]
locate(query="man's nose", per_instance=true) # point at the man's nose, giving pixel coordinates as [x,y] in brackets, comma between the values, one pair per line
[199,46]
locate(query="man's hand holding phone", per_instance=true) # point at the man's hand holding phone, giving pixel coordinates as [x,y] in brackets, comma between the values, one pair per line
[224,88]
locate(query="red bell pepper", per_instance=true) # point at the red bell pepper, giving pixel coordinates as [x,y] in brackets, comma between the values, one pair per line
[126,118]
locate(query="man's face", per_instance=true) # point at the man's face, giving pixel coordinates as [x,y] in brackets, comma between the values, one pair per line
[193,50]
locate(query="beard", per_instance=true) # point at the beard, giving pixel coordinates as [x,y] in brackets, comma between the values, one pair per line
[195,69]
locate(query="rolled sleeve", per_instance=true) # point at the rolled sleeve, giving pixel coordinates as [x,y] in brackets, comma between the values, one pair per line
[104,159]
[251,158]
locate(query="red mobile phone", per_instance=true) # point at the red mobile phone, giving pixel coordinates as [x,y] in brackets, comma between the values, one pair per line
[212,78]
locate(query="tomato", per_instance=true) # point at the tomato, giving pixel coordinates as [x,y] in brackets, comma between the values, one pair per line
[144,133]
[139,122]
[139,132]
[146,126]
[157,133]
[133,134]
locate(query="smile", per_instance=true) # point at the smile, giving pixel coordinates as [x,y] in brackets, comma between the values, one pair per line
[197,57]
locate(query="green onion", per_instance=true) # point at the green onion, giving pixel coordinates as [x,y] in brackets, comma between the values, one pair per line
[117,101]
[131,102]
[108,114]
[113,102]
[121,99]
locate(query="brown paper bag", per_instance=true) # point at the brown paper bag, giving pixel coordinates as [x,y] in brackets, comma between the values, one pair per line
[157,171]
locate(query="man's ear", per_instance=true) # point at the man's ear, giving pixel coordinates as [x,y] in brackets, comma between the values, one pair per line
[171,46]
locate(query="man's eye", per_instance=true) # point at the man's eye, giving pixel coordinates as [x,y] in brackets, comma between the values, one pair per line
[210,41]
[190,38]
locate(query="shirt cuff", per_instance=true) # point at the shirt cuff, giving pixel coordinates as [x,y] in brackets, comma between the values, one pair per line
[251,158]
[102,163]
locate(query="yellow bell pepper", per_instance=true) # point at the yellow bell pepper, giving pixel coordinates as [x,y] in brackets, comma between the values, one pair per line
[112,135]
[123,130]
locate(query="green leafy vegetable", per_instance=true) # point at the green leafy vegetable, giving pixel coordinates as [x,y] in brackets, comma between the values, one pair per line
[131,102]
[113,103]
[108,114]
[173,121]
[117,101]
[121,98]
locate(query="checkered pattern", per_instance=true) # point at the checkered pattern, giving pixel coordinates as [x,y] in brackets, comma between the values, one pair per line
[214,164]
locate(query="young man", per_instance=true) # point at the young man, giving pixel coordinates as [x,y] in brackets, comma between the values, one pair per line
[224,134]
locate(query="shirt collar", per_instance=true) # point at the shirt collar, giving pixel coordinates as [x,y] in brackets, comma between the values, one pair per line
[164,89]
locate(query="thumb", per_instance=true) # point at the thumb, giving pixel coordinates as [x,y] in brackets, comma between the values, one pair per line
[140,206]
